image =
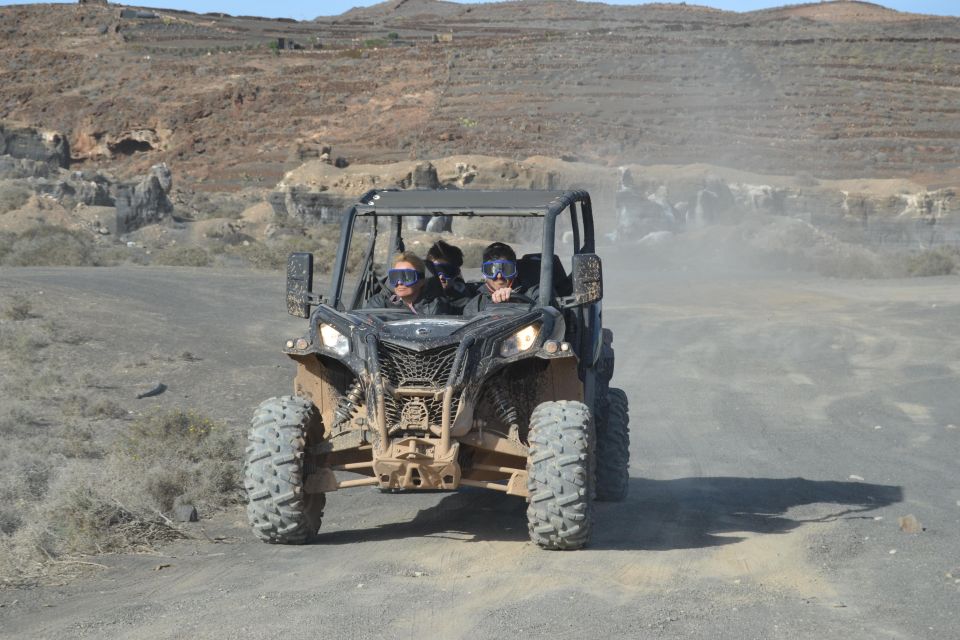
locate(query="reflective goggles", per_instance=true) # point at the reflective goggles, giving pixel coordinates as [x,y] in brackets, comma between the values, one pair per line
[494,269]
[443,270]
[406,277]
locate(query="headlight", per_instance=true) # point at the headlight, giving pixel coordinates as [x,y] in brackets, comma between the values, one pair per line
[334,340]
[520,341]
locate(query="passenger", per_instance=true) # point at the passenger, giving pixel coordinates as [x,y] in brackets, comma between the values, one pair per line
[407,277]
[499,271]
[445,262]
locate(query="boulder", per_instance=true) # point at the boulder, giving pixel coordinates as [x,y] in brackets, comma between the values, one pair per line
[94,192]
[424,176]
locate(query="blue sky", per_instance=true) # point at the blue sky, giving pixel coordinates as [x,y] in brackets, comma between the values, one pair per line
[308,10]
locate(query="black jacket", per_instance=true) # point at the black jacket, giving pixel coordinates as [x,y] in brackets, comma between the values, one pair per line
[456,295]
[424,306]
[482,300]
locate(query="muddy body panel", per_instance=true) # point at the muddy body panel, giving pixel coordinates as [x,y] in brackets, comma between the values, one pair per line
[439,418]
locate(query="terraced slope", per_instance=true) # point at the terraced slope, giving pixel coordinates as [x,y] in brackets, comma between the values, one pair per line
[842,89]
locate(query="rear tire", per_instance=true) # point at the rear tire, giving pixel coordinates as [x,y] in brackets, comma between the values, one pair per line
[278,509]
[559,510]
[613,448]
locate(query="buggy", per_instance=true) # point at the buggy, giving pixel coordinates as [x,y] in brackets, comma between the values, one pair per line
[515,399]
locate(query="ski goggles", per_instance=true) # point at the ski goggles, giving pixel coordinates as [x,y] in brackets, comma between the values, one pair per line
[443,270]
[493,269]
[406,277]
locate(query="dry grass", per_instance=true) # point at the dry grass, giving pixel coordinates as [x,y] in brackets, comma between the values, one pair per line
[79,474]
[113,497]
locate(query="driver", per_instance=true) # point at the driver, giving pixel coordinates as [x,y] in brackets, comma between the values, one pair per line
[499,270]
[407,280]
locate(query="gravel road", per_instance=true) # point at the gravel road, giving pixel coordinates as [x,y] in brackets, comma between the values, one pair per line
[781,427]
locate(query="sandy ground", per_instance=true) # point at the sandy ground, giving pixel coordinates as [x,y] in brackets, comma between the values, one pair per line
[781,426]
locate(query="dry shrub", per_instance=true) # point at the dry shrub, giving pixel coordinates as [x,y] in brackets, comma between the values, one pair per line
[273,254]
[220,205]
[54,506]
[13,195]
[98,408]
[22,341]
[942,261]
[26,477]
[796,244]
[182,257]
[498,229]
[17,421]
[18,308]
[7,240]
[86,517]
[50,246]
[850,262]
[181,453]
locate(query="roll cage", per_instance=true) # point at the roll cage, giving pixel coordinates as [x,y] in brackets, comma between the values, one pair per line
[394,205]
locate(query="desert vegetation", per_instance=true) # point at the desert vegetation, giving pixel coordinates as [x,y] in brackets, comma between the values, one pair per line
[81,472]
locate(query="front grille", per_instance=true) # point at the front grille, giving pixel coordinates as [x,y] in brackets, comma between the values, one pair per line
[416,414]
[404,367]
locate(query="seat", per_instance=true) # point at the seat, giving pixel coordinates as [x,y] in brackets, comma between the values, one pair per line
[528,273]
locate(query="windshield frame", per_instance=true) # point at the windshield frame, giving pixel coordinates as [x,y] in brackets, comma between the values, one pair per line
[554,203]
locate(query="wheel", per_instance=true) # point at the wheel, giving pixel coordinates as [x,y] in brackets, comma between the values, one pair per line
[613,448]
[278,509]
[558,509]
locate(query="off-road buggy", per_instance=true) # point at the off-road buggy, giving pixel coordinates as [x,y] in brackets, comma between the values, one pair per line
[515,399]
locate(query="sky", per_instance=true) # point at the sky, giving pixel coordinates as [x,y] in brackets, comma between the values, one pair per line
[309,10]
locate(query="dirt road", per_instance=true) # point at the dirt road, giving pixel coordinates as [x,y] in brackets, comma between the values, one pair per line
[781,426]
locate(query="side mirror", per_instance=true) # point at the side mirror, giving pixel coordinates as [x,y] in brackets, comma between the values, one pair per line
[587,277]
[299,284]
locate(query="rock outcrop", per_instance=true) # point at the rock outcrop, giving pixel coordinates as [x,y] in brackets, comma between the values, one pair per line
[48,147]
[145,202]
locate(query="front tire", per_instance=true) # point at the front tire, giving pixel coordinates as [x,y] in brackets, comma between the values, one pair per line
[278,509]
[559,510]
[613,448]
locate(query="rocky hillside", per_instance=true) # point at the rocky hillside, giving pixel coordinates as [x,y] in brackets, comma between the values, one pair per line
[842,89]
[814,93]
